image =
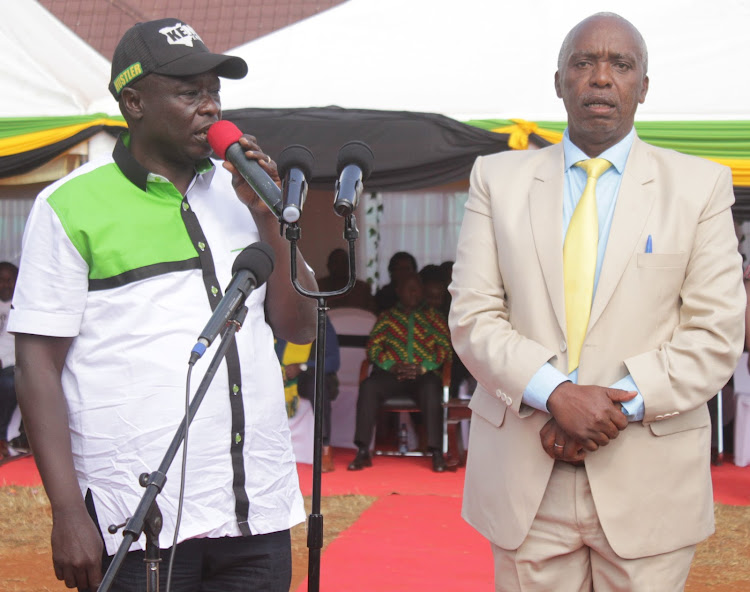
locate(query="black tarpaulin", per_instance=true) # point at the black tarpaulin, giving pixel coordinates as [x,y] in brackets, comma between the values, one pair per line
[412,150]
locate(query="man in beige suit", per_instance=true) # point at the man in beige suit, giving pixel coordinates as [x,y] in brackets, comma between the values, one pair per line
[605,486]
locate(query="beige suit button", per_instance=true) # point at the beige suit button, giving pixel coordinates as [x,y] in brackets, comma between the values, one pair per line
[509,401]
[659,417]
[499,394]
[563,346]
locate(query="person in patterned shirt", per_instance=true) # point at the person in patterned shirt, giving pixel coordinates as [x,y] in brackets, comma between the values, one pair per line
[408,346]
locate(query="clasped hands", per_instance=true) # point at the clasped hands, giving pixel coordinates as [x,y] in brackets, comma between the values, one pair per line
[405,371]
[584,417]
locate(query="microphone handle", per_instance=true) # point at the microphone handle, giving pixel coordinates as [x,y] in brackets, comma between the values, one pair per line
[293,195]
[238,290]
[256,177]
[348,190]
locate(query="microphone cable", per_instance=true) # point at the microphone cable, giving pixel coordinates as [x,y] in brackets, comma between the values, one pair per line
[181,496]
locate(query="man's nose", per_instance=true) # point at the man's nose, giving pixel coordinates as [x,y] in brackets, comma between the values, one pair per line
[601,74]
[210,103]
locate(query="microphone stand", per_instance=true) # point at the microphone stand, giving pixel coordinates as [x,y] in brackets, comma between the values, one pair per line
[147,515]
[315,521]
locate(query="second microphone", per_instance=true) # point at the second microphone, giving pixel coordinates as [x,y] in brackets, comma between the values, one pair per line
[295,164]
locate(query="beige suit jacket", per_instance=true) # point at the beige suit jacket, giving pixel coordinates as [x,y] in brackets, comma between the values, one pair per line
[673,319]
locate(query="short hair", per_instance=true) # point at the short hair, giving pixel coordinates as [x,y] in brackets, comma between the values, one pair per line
[336,252]
[10,266]
[639,38]
[401,255]
[432,273]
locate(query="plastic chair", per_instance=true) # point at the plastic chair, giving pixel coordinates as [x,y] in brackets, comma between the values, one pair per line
[405,404]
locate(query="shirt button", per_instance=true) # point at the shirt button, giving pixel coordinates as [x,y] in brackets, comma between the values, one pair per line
[202,246]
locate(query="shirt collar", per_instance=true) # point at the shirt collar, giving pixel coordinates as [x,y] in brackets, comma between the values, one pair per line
[138,175]
[617,154]
[400,307]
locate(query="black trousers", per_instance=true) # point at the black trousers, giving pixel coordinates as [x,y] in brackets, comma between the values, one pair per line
[257,563]
[7,399]
[426,391]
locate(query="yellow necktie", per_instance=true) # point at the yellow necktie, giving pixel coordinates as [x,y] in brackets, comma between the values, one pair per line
[579,260]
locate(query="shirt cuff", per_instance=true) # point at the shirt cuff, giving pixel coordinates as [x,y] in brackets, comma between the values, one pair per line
[541,385]
[635,408]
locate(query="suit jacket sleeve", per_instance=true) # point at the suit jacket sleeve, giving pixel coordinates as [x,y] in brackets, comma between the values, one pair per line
[500,358]
[685,371]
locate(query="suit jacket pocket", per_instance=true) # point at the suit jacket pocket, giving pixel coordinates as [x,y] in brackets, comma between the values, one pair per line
[697,418]
[489,407]
[662,260]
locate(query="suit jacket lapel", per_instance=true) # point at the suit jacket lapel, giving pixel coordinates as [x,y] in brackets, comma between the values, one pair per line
[545,207]
[634,201]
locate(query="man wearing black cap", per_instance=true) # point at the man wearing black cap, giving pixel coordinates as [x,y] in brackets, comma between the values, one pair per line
[123,263]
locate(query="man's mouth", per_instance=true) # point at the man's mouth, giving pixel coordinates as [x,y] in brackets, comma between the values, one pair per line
[598,105]
[202,134]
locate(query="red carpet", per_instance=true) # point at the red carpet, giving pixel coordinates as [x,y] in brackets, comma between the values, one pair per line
[20,471]
[731,484]
[412,537]
[408,542]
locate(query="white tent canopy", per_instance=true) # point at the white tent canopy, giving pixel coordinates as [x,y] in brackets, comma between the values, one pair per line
[46,69]
[479,59]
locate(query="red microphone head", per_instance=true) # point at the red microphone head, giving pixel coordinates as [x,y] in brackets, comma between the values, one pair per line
[221,135]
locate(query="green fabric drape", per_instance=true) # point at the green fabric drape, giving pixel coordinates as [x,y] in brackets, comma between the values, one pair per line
[710,139]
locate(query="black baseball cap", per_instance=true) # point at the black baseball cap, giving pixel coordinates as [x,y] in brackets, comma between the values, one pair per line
[170,47]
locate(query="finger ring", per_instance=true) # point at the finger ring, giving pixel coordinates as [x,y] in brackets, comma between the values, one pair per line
[268,158]
[559,445]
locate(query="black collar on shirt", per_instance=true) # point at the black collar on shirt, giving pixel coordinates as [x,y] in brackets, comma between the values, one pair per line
[136,173]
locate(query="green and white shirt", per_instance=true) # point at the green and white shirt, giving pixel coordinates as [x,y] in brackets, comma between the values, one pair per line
[117,258]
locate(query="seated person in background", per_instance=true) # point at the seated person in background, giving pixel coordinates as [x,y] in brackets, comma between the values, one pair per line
[298,370]
[402,263]
[436,279]
[8,275]
[408,346]
[435,288]
[359,296]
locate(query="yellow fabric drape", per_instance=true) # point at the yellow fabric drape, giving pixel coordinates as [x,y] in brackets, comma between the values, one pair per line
[740,169]
[293,354]
[521,129]
[34,140]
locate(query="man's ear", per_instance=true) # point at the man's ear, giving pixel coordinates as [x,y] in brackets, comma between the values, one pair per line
[131,103]
[558,88]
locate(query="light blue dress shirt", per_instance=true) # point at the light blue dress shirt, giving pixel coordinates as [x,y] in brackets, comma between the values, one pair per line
[547,378]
